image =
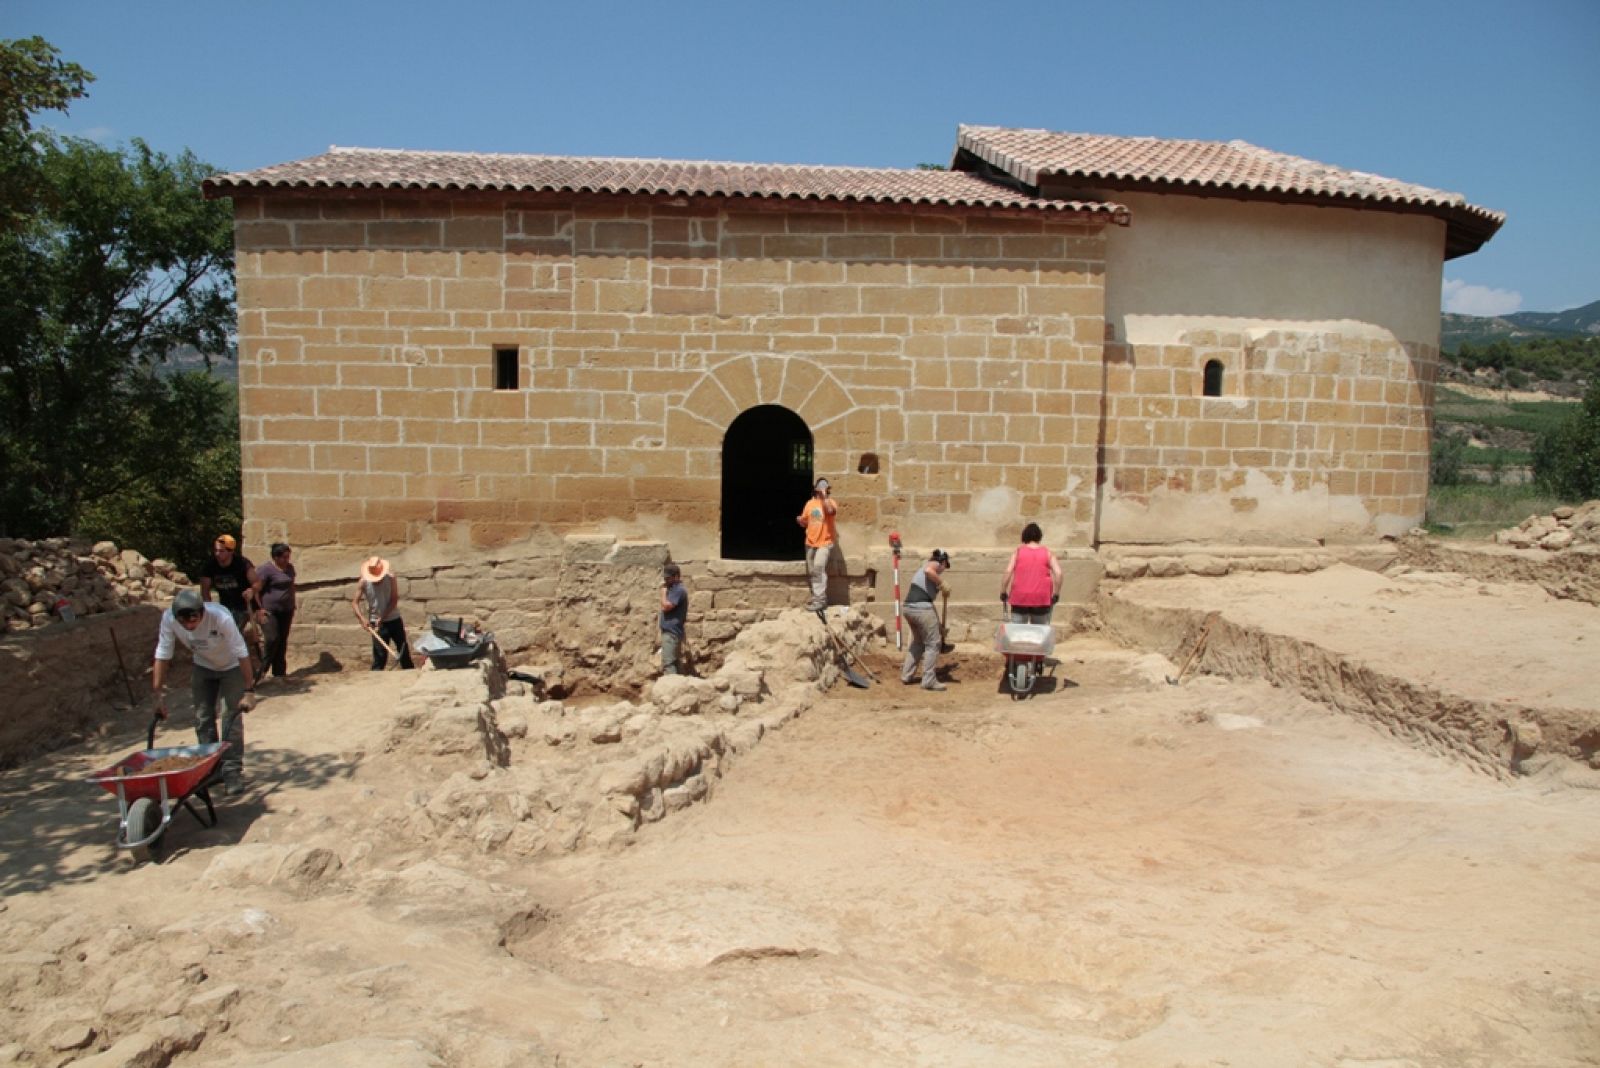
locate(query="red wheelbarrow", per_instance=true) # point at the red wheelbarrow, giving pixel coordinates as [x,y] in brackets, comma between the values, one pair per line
[150,786]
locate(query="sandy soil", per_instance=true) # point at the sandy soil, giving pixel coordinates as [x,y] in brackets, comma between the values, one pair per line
[1114,871]
[1501,641]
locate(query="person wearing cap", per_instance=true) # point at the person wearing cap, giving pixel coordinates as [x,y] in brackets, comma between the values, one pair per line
[817,517]
[232,576]
[923,620]
[380,613]
[220,682]
[674,613]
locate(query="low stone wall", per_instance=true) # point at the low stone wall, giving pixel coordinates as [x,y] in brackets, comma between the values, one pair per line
[61,683]
[1169,561]
[519,774]
[44,582]
[589,603]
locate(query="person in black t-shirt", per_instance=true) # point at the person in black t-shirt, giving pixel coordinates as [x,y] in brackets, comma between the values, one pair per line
[232,576]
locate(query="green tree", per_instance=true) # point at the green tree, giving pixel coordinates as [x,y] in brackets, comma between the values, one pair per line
[116,264]
[1566,459]
[33,78]
[1448,454]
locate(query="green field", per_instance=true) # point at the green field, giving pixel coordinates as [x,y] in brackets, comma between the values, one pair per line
[1477,509]
[1529,417]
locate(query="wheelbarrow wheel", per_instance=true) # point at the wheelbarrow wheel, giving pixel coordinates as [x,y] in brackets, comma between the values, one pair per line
[144,818]
[1021,676]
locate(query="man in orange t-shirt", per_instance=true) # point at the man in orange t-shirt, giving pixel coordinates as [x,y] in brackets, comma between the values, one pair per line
[818,518]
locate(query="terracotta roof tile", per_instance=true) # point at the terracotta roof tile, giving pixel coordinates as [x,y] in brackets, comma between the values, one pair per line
[1235,166]
[363,168]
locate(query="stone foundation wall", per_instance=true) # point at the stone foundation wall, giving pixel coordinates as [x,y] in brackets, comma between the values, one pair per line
[588,604]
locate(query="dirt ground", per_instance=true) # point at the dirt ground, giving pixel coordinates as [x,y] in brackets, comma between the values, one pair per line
[1114,871]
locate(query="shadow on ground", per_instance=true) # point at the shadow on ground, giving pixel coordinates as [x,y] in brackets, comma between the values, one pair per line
[58,828]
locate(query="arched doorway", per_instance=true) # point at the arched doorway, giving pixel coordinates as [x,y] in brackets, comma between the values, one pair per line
[766,477]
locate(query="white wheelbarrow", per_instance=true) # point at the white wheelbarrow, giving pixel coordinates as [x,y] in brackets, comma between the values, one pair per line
[1025,646]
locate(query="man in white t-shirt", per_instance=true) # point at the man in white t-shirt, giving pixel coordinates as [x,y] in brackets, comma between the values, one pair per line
[220,682]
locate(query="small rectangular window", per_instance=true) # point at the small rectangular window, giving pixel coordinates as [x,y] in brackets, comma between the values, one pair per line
[505,367]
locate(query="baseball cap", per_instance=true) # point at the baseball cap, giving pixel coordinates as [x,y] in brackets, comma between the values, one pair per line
[187,601]
[226,541]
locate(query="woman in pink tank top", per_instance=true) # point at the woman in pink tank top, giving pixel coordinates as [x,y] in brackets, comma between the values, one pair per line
[1033,579]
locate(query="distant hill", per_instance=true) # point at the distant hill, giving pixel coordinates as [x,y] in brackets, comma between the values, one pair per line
[1518,326]
[185,358]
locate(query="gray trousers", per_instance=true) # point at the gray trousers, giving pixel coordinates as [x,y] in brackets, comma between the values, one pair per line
[817,571]
[670,644]
[925,641]
[217,692]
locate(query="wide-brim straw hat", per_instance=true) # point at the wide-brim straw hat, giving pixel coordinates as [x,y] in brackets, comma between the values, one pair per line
[375,569]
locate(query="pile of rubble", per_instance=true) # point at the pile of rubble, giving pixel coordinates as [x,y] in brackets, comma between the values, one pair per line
[1562,528]
[54,579]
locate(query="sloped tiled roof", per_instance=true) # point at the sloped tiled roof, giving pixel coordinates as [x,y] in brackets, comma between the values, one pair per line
[1212,168]
[381,169]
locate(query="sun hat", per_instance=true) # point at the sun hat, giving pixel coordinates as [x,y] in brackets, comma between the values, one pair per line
[226,541]
[375,569]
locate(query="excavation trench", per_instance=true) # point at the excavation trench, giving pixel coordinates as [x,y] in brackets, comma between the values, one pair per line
[1500,737]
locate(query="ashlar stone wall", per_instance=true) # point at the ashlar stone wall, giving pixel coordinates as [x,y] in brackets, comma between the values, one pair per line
[962,350]
[1317,435]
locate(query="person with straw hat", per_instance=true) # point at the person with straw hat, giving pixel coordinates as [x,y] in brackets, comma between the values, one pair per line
[380,614]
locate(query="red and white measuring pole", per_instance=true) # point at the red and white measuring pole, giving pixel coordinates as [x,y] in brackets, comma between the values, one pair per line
[894,544]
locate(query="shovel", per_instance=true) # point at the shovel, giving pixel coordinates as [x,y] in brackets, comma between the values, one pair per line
[394,654]
[851,675]
[1199,646]
[944,641]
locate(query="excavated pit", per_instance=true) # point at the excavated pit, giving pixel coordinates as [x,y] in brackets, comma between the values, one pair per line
[1500,692]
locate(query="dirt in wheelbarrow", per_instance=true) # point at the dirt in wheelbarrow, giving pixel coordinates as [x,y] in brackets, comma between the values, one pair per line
[1112,871]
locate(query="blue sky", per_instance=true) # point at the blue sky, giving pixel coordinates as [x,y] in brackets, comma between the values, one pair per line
[1495,100]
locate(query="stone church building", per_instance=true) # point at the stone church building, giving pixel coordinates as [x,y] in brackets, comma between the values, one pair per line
[1130,340]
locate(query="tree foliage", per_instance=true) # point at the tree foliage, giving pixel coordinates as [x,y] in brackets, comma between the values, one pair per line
[1548,359]
[33,78]
[1566,459]
[110,264]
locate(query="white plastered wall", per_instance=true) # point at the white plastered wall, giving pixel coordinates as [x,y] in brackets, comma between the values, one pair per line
[1334,277]
[1190,263]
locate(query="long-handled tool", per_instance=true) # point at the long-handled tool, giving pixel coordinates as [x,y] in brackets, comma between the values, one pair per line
[366,625]
[944,639]
[894,545]
[123,667]
[850,674]
[1199,644]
